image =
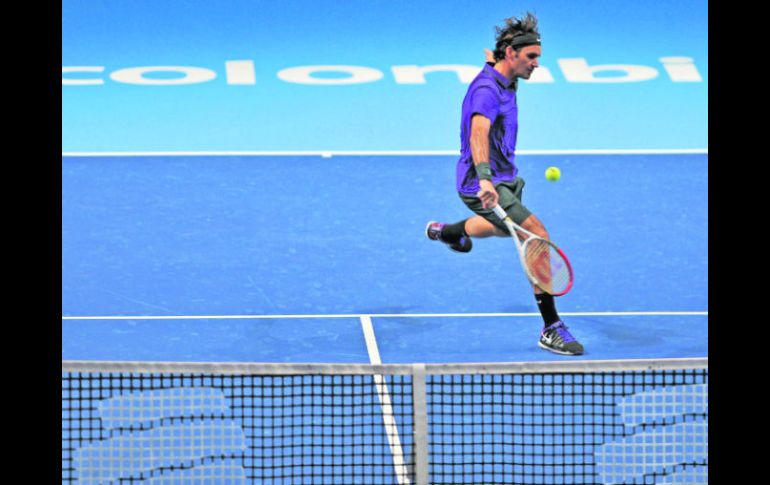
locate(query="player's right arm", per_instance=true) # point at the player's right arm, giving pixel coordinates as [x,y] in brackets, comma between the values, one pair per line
[479,141]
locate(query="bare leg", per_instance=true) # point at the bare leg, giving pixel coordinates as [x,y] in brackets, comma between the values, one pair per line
[479,227]
[533,225]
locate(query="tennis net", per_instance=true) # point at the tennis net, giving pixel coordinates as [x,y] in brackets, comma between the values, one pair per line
[586,422]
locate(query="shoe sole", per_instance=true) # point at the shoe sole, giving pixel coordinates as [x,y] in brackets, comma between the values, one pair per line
[457,251]
[557,351]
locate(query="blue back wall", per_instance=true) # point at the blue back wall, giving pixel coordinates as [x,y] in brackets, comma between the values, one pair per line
[146,75]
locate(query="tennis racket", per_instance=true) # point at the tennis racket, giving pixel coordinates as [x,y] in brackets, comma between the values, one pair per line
[546,266]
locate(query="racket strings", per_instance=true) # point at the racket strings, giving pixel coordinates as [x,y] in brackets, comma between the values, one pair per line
[547,266]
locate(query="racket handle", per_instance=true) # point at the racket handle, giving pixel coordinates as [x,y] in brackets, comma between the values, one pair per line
[499,212]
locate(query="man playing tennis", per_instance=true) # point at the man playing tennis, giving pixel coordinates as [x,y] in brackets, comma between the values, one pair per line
[486,170]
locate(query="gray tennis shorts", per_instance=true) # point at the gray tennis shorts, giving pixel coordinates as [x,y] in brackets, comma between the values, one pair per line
[510,200]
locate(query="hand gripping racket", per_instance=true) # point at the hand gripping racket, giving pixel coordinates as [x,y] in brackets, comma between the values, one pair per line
[544,263]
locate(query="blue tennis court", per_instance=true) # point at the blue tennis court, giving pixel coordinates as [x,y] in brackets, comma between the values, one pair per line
[201,259]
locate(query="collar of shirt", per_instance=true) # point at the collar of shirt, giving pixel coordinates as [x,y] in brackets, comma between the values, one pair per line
[501,80]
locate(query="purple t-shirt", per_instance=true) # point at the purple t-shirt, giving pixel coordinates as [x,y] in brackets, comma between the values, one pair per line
[492,95]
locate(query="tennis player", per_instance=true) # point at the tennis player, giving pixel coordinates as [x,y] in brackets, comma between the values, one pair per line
[486,170]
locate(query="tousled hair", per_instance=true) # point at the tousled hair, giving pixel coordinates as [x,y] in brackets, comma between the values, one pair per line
[514,27]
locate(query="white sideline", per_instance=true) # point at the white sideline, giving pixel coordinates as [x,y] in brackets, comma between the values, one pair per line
[330,153]
[379,315]
[388,419]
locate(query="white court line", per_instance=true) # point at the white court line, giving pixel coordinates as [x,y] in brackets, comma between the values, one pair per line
[371,341]
[388,419]
[328,153]
[382,315]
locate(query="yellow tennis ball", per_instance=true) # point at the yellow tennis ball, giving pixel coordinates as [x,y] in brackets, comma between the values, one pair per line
[553,174]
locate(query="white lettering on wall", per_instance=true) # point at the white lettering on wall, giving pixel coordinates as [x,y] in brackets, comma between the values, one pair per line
[244,72]
[416,74]
[577,70]
[681,69]
[137,75]
[240,72]
[81,82]
[353,75]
